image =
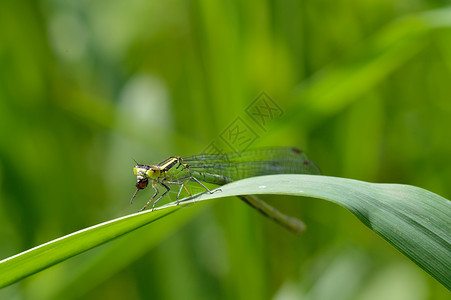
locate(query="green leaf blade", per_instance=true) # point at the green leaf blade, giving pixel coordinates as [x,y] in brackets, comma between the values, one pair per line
[24,264]
[413,220]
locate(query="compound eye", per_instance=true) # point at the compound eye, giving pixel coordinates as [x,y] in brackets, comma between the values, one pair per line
[142,183]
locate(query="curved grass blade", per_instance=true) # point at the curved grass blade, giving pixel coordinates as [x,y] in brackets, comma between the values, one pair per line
[413,220]
[24,264]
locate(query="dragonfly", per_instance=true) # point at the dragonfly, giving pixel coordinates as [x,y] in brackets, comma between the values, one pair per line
[220,169]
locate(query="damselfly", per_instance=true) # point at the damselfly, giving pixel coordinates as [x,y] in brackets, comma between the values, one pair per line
[220,169]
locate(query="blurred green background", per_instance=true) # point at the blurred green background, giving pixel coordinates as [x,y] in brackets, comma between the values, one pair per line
[364,87]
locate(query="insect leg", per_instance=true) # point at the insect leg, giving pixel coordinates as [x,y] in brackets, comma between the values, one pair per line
[211,192]
[180,189]
[182,185]
[167,190]
[186,189]
[156,193]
